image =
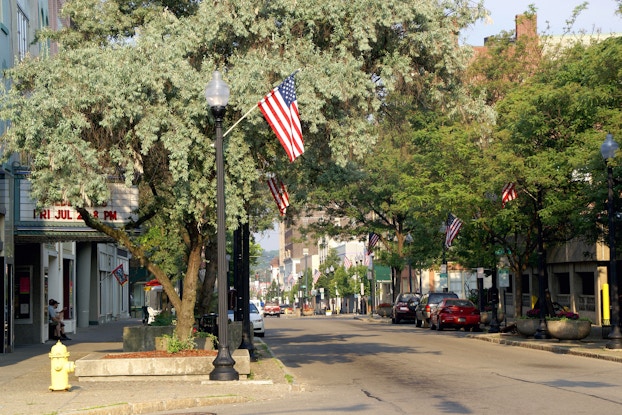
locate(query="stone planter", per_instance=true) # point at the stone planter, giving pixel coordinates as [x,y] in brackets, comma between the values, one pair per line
[527,327]
[94,368]
[384,311]
[143,338]
[485,317]
[569,329]
[203,343]
[307,312]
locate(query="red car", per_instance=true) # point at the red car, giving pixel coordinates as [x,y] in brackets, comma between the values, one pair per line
[271,309]
[456,313]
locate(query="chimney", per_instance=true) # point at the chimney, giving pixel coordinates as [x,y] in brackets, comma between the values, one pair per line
[526,25]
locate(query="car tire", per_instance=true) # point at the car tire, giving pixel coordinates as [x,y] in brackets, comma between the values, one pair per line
[439,326]
[278,315]
[260,334]
[418,322]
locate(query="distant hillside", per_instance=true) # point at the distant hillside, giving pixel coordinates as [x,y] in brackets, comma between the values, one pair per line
[263,262]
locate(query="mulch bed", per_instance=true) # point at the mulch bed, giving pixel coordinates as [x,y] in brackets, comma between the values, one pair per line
[162,353]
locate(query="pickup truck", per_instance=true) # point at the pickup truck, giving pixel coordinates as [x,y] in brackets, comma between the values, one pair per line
[271,309]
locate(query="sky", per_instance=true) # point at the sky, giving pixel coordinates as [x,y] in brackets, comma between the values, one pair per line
[600,14]
[269,240]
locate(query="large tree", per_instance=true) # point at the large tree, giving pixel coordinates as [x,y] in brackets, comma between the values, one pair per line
[123,100]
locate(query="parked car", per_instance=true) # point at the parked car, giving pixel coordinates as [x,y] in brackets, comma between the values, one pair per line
[286,309]
[404,307]
[456,313]
[427,304]
[256,320]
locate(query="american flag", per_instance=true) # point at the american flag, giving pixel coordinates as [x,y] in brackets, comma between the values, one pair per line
[508,193]
[280,109]
[316,275]
[120,274]
[453,227]
[373,240]
[346,262]
[281,197]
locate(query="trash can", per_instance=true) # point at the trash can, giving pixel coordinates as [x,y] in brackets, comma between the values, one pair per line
[208,323]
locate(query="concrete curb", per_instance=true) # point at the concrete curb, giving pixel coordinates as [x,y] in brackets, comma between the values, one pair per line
[575,349]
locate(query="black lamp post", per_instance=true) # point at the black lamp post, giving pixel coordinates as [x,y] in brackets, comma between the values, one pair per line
[409,240]
[217,95]
[608,151]
[305,252]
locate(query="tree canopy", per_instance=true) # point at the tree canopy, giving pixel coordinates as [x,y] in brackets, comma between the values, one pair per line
[123,100]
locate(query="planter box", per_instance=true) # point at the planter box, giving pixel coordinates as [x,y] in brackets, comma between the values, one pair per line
[485,317]
[527,326]
[384,311]
[569,329]
[201,343]
[143,338]
[93,368]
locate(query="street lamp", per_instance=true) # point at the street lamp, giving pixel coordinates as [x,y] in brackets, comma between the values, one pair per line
[217,95]
[409,240]
[305,252]
[608,151]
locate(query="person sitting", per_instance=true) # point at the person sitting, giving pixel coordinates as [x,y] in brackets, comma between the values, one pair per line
[56,320]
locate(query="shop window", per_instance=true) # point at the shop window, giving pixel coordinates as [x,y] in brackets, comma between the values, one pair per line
[23,295]
[563,283]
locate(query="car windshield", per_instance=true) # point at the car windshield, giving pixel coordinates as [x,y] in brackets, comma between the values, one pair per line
[407,297]
[253,309]
[459,303]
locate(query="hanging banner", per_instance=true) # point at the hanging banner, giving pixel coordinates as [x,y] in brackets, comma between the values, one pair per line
[120,275]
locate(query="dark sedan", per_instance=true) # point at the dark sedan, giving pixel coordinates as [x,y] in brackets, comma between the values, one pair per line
[404,307]
[456,313]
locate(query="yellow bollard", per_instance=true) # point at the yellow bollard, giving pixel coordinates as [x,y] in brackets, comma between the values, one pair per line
[606,311]
[60,367]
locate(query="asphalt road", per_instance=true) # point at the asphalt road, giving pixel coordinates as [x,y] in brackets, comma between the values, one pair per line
[348,366]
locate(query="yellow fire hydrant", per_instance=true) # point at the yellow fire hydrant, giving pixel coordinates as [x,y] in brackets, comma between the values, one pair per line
[60,367]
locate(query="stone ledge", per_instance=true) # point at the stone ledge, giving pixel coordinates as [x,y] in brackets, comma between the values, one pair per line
[93,368]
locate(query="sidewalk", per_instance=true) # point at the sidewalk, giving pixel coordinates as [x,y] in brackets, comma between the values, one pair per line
[25,379]
[25,376]
[593,346]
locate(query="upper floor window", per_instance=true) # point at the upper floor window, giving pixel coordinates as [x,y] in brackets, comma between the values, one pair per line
[22,34]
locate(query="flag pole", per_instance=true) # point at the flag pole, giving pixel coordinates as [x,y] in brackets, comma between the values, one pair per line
[250,110]
[238,121]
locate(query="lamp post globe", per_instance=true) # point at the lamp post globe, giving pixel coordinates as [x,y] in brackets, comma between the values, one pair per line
[608,150]
[217,96]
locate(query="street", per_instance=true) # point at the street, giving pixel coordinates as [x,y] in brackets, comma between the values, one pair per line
[347,365]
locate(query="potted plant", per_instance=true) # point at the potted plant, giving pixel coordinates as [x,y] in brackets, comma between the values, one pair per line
[384,309]
[486,315]
[307,310]
[205,341]
[528,324]
[567,325]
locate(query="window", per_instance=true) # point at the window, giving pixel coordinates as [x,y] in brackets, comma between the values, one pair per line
[22,295]
[22,34]
[587,283]
[563,282]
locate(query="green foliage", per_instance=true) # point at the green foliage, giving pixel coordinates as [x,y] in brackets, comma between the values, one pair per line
[132,107]
[175,345]
[165,318]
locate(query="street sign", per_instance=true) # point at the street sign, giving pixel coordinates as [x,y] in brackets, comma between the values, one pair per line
[504,278]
